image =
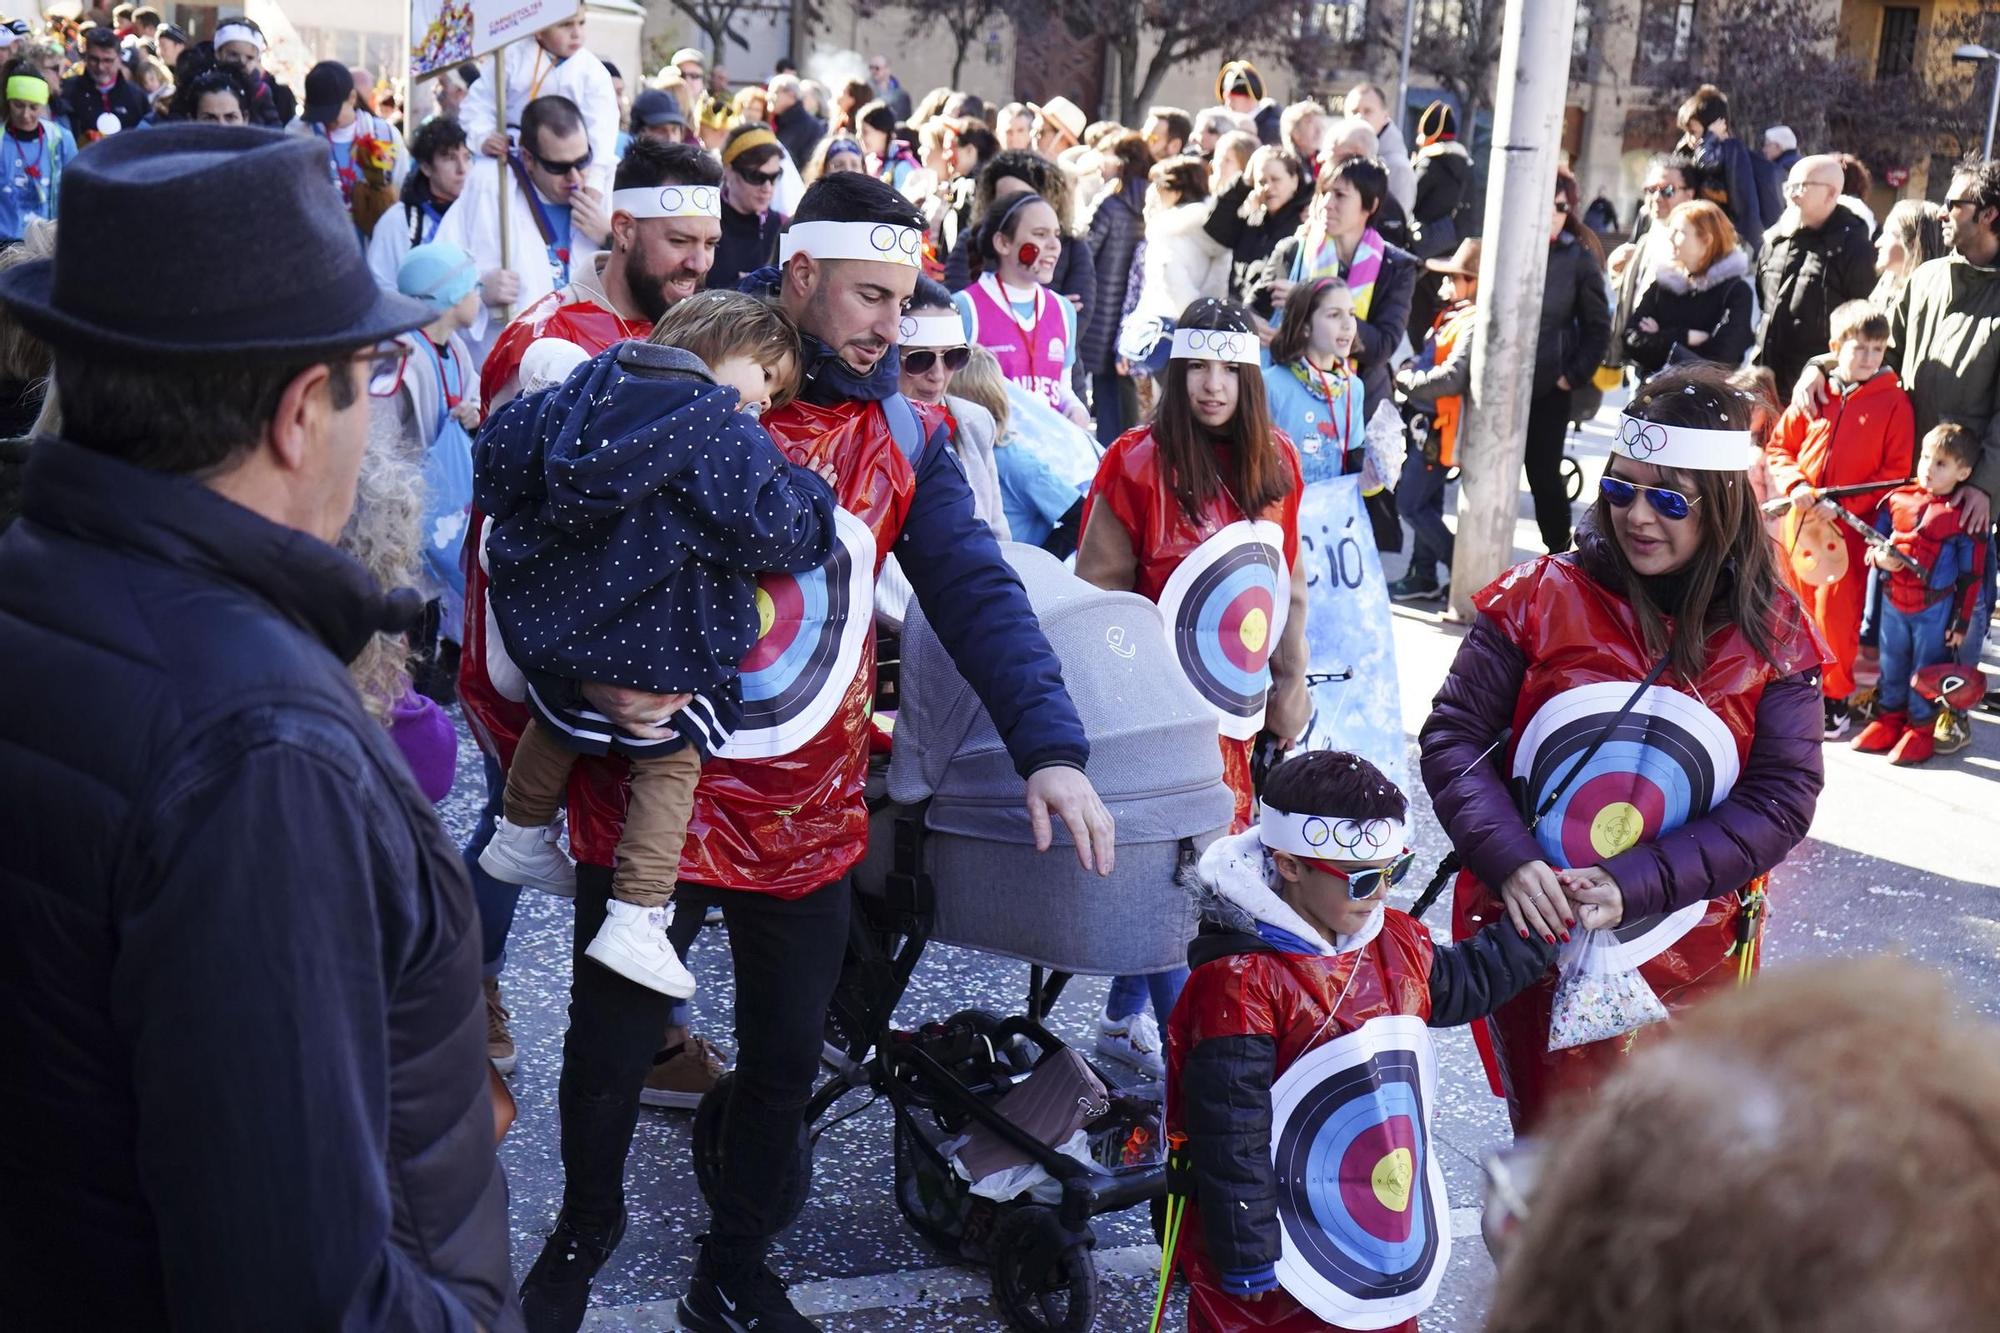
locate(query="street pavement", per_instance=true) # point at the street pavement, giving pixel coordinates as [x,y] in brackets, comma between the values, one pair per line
[1904,860]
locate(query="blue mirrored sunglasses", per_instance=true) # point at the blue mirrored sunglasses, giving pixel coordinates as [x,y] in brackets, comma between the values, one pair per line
[1666,503]
[1361,884]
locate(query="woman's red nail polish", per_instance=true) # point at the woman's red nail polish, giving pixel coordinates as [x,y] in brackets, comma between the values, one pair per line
[1565,937]
[1524,934]
[1550,938]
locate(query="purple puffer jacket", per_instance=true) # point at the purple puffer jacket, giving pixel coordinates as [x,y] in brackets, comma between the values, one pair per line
[1765,815]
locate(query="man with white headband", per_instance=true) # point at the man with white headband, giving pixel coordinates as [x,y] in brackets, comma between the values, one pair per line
[1303,1033]
[664,229]
[779,818]
[240,42]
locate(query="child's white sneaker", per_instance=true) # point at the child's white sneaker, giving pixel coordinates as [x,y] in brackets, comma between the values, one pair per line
[633,943]
[1134,1041]
[531,856]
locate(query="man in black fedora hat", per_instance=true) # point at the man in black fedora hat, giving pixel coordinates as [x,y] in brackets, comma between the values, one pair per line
[239,963]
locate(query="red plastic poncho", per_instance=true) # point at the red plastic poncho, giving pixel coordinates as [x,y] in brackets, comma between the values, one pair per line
[1576,633]
[786,825]
[1130,485]
[571,314]
[1286,997]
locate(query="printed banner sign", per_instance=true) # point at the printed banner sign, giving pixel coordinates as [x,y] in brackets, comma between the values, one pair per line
[1351,650]
[450,32]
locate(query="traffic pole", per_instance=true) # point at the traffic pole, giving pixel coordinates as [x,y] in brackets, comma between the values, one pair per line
[1532,87]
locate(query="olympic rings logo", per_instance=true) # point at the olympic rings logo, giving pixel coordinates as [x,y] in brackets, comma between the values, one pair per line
[899,244]
[1222,343]
[683,201]
[1371,836]
[1640,439]
[906,329]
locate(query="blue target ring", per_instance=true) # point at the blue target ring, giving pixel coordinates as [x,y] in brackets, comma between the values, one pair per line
[1352,1164]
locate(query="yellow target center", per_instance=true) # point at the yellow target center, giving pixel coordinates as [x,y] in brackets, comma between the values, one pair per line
[1254,630]
[1616,827]
[767,612]
[1391,1179]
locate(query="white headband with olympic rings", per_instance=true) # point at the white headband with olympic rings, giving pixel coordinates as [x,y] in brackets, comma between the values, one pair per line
[1216,345]
[1321,839]
[931,331]
[669,201]
[1686,447]
[882,242]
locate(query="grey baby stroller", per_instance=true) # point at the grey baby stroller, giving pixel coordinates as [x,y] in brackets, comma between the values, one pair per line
[952,859]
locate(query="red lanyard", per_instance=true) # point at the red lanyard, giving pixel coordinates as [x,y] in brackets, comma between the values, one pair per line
[33,170]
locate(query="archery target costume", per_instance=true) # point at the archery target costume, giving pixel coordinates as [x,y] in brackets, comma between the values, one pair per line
[1303,1075]
[1223,583]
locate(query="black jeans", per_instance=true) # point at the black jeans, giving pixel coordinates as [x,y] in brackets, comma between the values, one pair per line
[1548,429]
[787,957]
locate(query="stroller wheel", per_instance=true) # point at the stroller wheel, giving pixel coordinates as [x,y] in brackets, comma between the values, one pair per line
[705,1143]
[1042,1281]
[1572,475]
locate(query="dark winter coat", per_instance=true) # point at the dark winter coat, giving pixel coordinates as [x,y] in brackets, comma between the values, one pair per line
[1729,166]
[1251,245]
[125,100]
[631,510]
[1576,317]
[239,960]
[748,243]
[1802,276]
[1444,181]
[1755,827]
[1717,304]
[800,131]
[1116,229]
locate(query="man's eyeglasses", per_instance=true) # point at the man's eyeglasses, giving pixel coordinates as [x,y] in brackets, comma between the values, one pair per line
[1362,884]
[1562,206]
[1666,503]
[759,177]
[555,168]
[382,366]
[1793,189]
[920,360]
[1961,203]
[1662,191]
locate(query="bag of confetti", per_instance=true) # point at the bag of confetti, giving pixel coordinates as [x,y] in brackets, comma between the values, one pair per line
[1595,1001]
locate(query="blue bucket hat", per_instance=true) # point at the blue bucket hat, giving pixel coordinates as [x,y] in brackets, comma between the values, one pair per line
[438,274]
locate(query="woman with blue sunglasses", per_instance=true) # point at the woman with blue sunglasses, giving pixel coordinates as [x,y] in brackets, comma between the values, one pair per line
[1629,739]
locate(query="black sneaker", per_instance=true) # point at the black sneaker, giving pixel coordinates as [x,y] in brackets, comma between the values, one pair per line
[1415,588]
[757,1304]
[556,1293]
[1839,717]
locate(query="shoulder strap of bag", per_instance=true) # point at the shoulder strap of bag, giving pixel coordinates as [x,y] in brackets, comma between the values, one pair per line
[1604,734]
[905,426]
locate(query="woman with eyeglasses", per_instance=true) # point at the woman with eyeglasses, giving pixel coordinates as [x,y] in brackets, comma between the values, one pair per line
[1211,486]
[752,162]
[933,349]
[1575,334]
[1631,265]
[1629,739]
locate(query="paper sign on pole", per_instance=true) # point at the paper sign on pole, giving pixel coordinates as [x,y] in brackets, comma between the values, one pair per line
[1351,647]
[444,33]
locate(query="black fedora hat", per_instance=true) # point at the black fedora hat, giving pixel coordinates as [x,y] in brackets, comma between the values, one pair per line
[281,275]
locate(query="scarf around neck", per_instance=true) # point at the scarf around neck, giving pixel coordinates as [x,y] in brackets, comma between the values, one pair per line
[1320,258]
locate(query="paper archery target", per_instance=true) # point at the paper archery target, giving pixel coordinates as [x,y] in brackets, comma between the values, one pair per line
[1225,607]
[1668,760]
[1361,1201]
[810,631]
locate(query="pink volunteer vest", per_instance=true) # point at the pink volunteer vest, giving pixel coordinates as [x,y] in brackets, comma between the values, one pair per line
[1033,357]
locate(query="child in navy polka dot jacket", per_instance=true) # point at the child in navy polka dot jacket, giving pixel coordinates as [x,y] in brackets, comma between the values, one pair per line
[631,510]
